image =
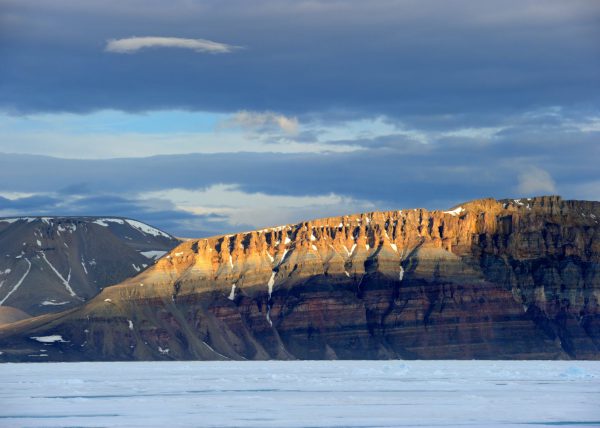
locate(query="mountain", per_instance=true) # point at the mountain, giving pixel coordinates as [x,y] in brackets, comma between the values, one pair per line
[488,279]
[9,314]
[49,264]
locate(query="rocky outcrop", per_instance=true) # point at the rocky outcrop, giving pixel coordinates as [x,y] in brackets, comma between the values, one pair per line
[49,264]
[488,279]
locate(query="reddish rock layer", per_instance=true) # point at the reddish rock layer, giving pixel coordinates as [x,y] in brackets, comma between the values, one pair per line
[488,279]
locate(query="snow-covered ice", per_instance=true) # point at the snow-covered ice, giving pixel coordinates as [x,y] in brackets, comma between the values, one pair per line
[302,394]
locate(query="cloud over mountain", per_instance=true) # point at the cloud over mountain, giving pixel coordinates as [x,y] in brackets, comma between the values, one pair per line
[346,104]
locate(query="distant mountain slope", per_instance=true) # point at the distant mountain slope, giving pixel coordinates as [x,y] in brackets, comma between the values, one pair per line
[49,264]
[489,279]
[9,314]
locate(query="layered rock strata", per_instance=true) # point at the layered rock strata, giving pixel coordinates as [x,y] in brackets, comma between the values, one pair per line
[488,279]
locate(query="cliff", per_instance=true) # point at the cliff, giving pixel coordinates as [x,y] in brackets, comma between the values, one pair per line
[487,279]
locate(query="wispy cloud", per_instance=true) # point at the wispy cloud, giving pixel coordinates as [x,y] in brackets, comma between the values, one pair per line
[300,72]
[134,44]
[536,180]
[111,134]
[263,121]
[256,209]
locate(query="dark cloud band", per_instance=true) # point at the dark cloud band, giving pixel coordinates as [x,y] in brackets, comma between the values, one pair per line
[392,58]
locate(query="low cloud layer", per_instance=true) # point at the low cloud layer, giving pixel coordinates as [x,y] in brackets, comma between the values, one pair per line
[134,44]
[208,193]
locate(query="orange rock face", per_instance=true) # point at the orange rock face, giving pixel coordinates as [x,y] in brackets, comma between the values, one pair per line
[487,279]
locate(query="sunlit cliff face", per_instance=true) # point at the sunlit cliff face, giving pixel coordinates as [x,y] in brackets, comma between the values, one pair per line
[486,279]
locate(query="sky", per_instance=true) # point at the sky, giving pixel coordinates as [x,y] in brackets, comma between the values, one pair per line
[210,117]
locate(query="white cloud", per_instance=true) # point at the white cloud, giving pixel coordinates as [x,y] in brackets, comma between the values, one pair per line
[372,128]
[15,195]
[134,44]
[258,209]
[134,145]
[110,134]
[588,124]
[536,181]
[480,133]
[365,128]
[268,119]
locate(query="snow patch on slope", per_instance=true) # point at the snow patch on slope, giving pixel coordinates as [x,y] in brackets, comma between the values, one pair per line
[52,302]
[154,254]
[149,230]
[455,212]
[104,221]
[141,227]
[18,284]
[271,283]
[49,339]
[15,219]
[64,281]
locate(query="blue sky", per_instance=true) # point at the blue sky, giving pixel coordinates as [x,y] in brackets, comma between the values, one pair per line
[205,117]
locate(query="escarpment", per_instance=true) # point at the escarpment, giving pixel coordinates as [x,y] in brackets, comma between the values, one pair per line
[487,279]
